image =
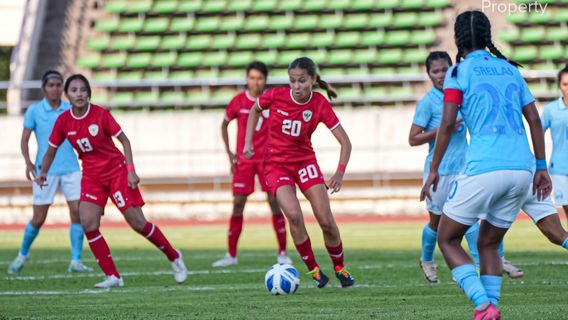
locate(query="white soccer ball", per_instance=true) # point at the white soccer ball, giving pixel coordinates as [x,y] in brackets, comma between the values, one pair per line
[282,279]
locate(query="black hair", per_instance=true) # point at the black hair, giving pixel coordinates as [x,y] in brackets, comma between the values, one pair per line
[437,55]
[311,68]
[562,72]
[472,31]
[258,65]
[81,77]
[50,74]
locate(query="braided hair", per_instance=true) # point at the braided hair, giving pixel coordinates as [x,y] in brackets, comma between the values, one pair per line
[472,31]
[311,68]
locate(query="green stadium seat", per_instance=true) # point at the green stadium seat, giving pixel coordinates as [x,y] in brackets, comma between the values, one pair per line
[182,24]
[155,75]
[286,57]
[104,76]
[233,73]
[173,42]
[99,43]
[356,21]
[349,93]
[318,56]
[423,37]
[384,71]
[257,23]
[409,70]
[181,75]
[137,7]
[390,56]
[405,20]
[347,39]
[290,5]
[397,38]
[358,71]
[268,57]
[123,43]
[281,22]
[387,4]
[380,20]
[156,25]
[213,6]
[538,88]
[240,5]
[561,15]
[517,17]
[339,4]
[331,21]
[214,59]
[333,72]
[240,59]
[524,54]
[164,60]
[232,23]
[208,24]
[340,57]
[131,25]
[264,5]
[373,38]
[315,5]
[165,7]
[189,6]
[147,97]
[148,43]
[401,91]
[298,40]
[438,4]
[224,94]
[550,53]
[510,35]
[414,56]
[116,6]
[114,60]
[535,34]
[249,41]
[376,93]
[412,4]
[430,19]
[274,40]
[365,56]
[189,59]
[130,76]
[206,74]
[139,60]
[544,66]
[540,18]
[89,61]
[306,22]
[198,42]
[322,39]
[175,97]
[197,96]
[223,41]
[107,25]
[364,5]
[557,34]
[124,98]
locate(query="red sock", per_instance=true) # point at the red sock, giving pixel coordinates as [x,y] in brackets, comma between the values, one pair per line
[100,250]
[154,235]
[235,228]
[279,224]
[307,254]
[336,254]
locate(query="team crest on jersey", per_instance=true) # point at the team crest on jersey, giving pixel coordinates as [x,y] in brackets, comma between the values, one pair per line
[94,130]
[307,114]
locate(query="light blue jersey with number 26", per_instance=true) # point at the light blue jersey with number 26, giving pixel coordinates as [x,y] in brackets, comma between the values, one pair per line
[494,94]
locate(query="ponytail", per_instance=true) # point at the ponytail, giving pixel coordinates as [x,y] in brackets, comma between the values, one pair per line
[331,93]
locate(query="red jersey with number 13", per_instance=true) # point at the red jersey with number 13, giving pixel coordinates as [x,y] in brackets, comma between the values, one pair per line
[91,136]
[291,124]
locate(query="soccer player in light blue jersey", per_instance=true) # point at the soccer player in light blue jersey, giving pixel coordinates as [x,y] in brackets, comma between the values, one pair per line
[555,118]
[65,173]
[492,97]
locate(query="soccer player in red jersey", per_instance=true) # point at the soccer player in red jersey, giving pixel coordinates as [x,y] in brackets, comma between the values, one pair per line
[295,113]
[244,170]
[106,172]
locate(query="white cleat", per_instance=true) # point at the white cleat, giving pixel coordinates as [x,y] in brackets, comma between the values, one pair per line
[180,271]
[430,271]
[512,271]
[17,265]
[78,266]
[226,261]
[110,282]
[283,258]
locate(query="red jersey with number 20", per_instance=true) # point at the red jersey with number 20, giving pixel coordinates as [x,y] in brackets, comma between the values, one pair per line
[291,124]
[91,136]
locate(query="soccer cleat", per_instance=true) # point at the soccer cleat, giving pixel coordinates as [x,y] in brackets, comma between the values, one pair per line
[17,265]
[226,261]
[319,277]
[512,271]
[283,258]
[78,266]
[180,271]
[110,282]
[430,271]
[344,277]
[490,313]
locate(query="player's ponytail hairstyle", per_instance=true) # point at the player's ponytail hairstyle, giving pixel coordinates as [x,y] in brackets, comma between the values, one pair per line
[437,55]
[50,74]
[81,77]
[311,68]
[562,72]
[472,31]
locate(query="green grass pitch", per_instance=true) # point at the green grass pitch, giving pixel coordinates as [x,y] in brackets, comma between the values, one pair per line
[383,257]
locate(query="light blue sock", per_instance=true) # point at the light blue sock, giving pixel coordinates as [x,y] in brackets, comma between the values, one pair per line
[429,238]
[469,282]
[492,285]
[76,235]
[471,236]
[502,249]
[29,236]
[565,244]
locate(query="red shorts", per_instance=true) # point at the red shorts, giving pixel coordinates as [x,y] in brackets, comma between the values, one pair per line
[243,177]
[305,173]
[97,191]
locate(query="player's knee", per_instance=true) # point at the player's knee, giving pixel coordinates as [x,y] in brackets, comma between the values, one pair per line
[89,225]
[295,220]
[37,222]
[239,205]
[488,243]
[328,226]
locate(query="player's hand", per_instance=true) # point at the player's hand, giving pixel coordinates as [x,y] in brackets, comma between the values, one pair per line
[542,185]
[133,180]
[248,151]
[30,171]
[335,182]
[41,179]
[431,181]
[232,161]
[458,125]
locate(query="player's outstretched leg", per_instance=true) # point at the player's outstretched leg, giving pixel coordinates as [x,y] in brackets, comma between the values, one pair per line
[279,225]
[30,233]
[552,228]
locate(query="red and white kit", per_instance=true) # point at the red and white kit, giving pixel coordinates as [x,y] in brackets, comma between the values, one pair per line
[104,166]
[290,158]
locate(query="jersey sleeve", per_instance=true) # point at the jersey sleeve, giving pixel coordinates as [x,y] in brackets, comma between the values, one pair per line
[231,112]
[545,118]
[423,113]
[328,116]
[29,119]
[525,94]
[110,126]
[265,100]
[58,133]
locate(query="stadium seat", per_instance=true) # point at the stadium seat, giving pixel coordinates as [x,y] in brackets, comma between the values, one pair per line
[189,59]
[164,60]
[306,22]
[182,24]
[156,25]
[139,60]
[189,6]
[535,34]
[412,4]
[99,43]
[280,72]
[332,72]
[223,94]
[365,56]
[198,42]
[290,5]
[274,40]
[380,20]
[437,4]
[400,92]
[541,18]
[232,23]
[298,40]
[375,93]
[249,41]
[523,54]
[240,6]
[550,53]
[363,5]
[390,56]
[323,39]
[409,70]
[208,24]
[387,4]
[130,76]
[561,15]
[147,97]
[423,37]
[206,74]
[372,38]
[236,73]
[358,71]
[356,21]
[268,57]
[173,42]
[172,97]
[510,35]
[107,25]
[223,41]
[517,17]
[286,57]
[213,6]
[89,61]
[397,38]
[116,6]
[413,56]
[430,19]
[181,75]
[104,76]
[338,4]
[198,95]
[240,59]
[538,88]
[137,7]
[557,34]
[349,93]
[257,23]
[148,43]
[314,5]
[165,7]
[115,60]
[338,57]
[281,22]
[214,59]
[330,21]
[347,39]
[265,5]
[155,75]
[123,99]
[131,25]
[318,56]
[122,43]
[405,20]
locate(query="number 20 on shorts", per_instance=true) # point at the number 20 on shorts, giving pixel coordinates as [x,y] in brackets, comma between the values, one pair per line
[307,173]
